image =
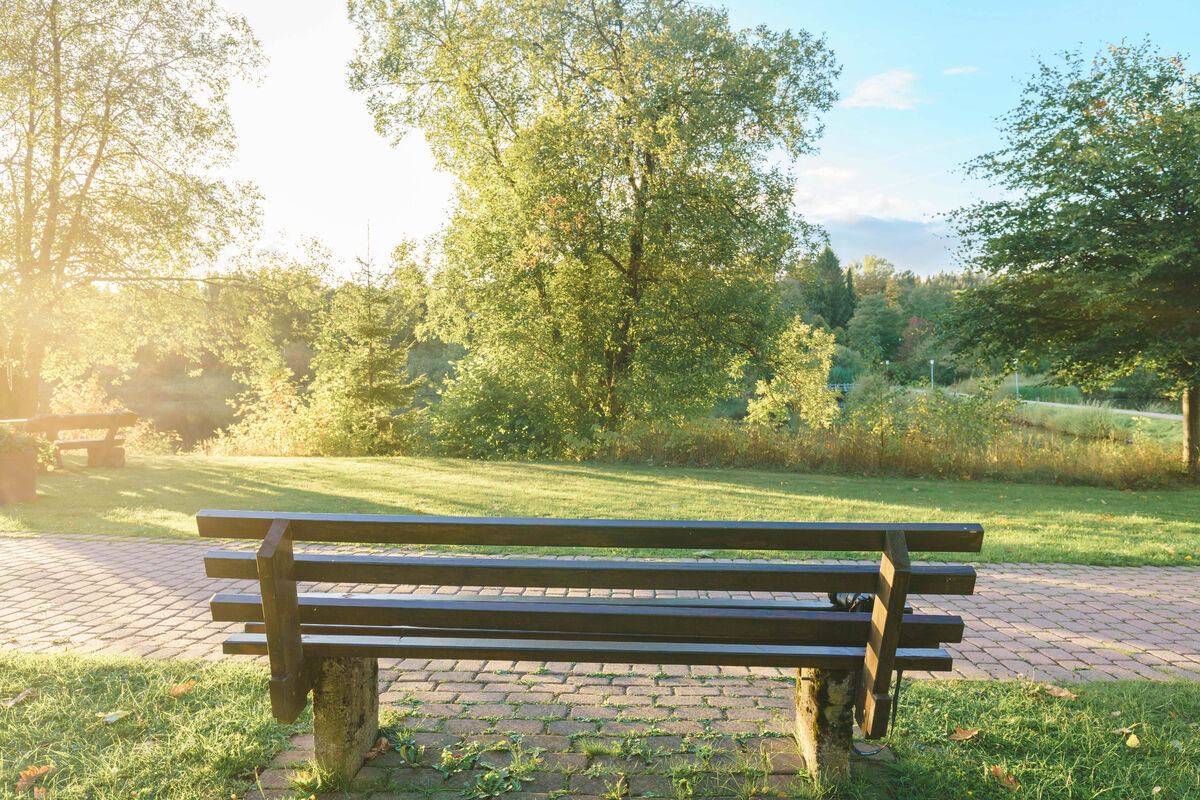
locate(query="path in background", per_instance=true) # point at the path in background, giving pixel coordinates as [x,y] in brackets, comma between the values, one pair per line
[1047,622]
[1130,412]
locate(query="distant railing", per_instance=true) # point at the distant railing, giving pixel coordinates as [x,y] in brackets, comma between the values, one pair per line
[841,387]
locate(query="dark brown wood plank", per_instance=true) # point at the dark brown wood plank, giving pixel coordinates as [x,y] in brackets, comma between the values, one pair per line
[623,574]
[874,701]
[84,444]
[932,659]
[907,639]
[52,423]
[681,534]
[290,679]
[247,600]
[768,625]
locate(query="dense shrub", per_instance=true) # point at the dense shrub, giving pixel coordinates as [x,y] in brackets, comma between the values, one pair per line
[488,411]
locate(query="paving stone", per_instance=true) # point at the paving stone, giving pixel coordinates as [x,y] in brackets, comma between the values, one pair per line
[1016,626]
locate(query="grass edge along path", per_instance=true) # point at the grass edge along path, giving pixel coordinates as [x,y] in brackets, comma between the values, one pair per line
[1118,738]
[110,727]
[157,496]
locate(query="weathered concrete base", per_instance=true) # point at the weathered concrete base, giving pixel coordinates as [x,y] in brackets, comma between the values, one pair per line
[345,712]
[825,720]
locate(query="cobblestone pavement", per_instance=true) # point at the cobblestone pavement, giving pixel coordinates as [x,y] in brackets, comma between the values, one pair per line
[1045,622]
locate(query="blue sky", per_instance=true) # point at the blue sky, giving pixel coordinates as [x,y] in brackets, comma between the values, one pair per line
[921,86]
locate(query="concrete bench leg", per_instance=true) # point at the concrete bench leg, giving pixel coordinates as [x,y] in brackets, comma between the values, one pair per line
[345,712]
[825,720]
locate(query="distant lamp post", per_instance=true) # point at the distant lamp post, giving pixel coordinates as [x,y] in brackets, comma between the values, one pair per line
[887,366]
[1017,378]
[931,374]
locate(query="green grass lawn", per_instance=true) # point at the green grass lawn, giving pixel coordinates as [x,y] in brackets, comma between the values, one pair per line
[112,730]
[1053,748]
[207,743]
[157,496]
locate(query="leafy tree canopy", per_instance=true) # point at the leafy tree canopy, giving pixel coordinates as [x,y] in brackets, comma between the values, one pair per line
[1094,246]
[619,225]
[112,114]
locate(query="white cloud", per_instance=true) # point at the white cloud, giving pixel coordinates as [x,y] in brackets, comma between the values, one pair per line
[966,70]
[894,89]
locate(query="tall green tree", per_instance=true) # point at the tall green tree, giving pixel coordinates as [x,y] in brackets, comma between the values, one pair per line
[828,289]
[112,114]
[360,380]
[876,328]
[1094,248]
[620,222]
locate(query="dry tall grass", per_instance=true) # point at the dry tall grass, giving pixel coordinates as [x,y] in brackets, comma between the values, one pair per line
[886,431]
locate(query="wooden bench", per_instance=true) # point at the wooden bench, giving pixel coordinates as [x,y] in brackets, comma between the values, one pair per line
[105,451]
[330,643]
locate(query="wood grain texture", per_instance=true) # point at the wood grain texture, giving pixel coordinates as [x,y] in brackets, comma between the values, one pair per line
[290,680]
[594,574]
[849,657]
[874,701]
[538,532]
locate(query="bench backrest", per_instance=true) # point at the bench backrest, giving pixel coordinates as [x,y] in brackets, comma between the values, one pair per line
[283,615]
[51,424]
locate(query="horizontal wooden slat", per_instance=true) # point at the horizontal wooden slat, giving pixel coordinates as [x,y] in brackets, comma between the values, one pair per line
[82,444]
[459,571]
[75,422]
[680,534]
[400,630]
[933,659]
[768,625]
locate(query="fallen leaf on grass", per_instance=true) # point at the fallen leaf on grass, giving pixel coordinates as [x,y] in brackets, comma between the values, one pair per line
[109,717]
[29,777]
[1127,729]
[962,734]
[21,698]
[382,745]
[182,688]
[1058,691]
[1133,741]
[1006,779]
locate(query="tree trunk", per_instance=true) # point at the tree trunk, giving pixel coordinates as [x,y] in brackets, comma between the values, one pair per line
[19,384]
[1191,430]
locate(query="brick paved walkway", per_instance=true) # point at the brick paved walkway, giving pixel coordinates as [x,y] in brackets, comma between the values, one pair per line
[1048,622]
[600,729]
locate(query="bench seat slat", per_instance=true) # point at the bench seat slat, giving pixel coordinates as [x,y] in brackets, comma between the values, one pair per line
[539,532]
[623,574]
[687,653]
[84,444]
[779,625]
[400,630]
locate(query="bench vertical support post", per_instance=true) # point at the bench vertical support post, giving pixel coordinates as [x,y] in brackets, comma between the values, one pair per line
[290,679]
[345,713]
[825,720]
[891,594]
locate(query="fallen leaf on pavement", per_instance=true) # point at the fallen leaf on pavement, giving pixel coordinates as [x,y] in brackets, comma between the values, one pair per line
[962,734]
[382,745]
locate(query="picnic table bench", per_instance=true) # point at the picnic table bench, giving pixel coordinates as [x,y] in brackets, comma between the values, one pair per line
[329,643]
[104,451]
